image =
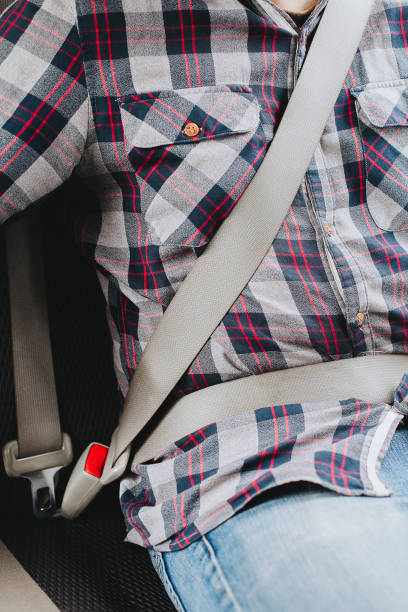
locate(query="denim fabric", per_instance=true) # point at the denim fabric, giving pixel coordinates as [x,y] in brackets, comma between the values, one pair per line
[301,547]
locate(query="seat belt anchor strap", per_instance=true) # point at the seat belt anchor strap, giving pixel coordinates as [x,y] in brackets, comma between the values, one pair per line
[41,471]
[94,469]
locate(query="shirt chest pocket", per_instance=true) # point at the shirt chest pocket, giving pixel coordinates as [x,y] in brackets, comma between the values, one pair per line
[193,152]
[382,111]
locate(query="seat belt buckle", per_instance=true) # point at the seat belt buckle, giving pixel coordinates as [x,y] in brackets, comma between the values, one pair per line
[41,471]
[93,470]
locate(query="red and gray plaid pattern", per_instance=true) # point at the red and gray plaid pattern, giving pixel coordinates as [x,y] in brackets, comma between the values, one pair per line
[106,90]
[383,117]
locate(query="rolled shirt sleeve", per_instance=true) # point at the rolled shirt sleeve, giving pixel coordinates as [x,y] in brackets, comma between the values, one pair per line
[43,101]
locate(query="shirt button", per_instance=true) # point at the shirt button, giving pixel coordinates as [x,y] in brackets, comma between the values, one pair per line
[329,230]
[191,129]
[360,316]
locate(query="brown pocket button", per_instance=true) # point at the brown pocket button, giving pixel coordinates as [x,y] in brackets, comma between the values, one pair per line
[191,129]
[360,316]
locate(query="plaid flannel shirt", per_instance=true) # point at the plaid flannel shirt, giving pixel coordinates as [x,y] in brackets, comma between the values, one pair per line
[105,90]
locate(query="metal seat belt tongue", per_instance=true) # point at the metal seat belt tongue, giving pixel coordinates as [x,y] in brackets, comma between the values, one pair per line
[41,449]
[240,244]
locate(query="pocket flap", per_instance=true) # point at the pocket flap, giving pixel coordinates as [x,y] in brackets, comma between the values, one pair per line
[384,104]
[159,118]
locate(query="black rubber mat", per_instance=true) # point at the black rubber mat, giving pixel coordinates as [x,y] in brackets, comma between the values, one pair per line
[83,565]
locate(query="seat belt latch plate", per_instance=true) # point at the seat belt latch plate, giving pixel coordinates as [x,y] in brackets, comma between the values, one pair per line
[41,471]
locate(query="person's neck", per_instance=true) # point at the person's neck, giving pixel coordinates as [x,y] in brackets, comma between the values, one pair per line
[296,6]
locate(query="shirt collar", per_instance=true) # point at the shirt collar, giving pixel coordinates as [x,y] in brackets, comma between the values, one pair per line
[282,19]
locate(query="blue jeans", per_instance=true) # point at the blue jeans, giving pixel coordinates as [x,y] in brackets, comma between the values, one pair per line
[301,547]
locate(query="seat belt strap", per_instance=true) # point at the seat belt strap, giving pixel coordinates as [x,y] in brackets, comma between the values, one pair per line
[41,448]
[243,239]
[372,377]
[38,420]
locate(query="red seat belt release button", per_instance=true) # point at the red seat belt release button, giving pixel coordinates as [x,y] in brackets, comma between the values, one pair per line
[95,461]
